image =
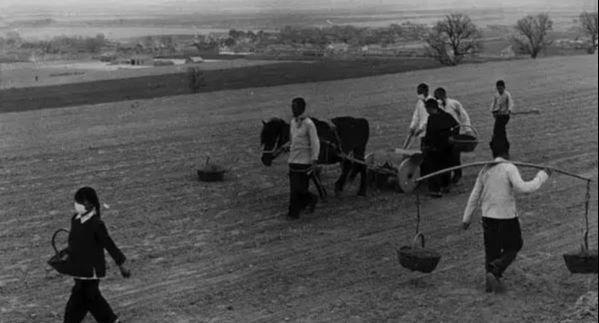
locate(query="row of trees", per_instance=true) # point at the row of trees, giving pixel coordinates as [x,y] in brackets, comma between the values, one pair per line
[56,45]
[352,35]
[456,36]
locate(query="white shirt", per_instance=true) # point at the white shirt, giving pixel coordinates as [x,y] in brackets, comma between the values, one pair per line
[305,145]
[494,190]
[457,111]
[420,117]
[86,216]
[502,103]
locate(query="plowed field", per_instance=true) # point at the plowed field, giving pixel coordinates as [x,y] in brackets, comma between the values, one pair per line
[223,252]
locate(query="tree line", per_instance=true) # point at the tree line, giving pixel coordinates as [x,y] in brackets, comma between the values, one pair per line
[456,36]
[56,45]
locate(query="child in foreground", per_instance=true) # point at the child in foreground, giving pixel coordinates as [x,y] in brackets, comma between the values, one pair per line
[87,240]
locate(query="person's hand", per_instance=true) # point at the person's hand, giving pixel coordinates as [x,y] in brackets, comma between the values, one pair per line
[548,171]
[465,225]
[124,271]
[412,132]
[314,164]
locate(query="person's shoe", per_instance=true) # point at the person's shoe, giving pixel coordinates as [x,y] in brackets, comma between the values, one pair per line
[500,286]
[310,208]
[492,283]
[456,180]
[488,286]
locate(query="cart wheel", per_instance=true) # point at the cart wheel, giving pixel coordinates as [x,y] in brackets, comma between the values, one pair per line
[408,171]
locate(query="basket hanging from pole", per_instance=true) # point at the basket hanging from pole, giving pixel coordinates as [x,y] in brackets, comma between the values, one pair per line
[584,261]
[416,257]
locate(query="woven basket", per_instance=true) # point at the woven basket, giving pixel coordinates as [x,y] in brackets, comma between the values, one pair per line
[211,172]
[211,175]
[60,260]
[463,142]
[418,258]
[582,262]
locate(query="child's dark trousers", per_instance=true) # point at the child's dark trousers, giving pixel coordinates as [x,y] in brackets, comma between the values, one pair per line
[503,240]
[86,297]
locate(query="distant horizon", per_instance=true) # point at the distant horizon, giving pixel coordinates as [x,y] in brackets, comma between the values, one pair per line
[173,7]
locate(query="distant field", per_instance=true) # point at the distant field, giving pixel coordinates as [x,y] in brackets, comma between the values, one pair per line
[223,252]
[19,75]
[118,87]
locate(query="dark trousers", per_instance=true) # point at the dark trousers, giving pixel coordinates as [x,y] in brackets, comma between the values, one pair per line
[424,166]
[503,240]
[456,160]
[435,161]
[501,121]
[299,195]
[86,297]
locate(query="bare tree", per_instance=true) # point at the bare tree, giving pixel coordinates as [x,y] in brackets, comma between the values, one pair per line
[453,38]
[533,34]
[588,20]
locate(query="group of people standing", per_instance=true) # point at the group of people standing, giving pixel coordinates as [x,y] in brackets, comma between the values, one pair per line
[436,118]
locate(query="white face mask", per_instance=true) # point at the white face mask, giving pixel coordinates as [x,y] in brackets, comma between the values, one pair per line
[421,96]
[80,208]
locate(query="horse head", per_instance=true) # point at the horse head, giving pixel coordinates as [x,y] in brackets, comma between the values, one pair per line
[274,136]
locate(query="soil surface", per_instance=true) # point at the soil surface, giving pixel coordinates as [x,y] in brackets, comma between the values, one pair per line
[224,252]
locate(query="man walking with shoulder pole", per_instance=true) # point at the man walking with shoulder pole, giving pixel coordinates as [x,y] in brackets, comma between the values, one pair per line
[494,194]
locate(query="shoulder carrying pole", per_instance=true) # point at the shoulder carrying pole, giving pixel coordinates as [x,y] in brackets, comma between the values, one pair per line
[498,162]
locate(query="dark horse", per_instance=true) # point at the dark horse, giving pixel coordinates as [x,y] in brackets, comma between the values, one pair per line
[346,135]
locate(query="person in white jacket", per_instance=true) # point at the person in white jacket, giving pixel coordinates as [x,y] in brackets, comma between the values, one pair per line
[494,194]
[457,111]
[419,119]
[420,116]
[303,155]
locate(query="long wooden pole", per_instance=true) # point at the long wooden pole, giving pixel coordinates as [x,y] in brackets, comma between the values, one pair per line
[483,163]
[533,111]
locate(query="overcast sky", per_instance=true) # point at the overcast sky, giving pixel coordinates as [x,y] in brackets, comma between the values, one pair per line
[257,5]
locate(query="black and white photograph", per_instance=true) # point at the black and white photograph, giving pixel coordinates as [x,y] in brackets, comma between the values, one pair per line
[298,161]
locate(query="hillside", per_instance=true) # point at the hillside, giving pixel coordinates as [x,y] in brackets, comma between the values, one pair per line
[224,253]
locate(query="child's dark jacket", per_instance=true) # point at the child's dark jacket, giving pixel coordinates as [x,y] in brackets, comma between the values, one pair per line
[87,242]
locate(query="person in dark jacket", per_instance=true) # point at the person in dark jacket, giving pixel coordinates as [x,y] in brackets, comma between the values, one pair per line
[87,240]
[437,149]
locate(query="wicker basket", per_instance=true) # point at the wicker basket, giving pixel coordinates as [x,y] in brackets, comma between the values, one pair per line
[584,262]
[211,175]
[463,142]
[60,260]
[418,258]
[211,172]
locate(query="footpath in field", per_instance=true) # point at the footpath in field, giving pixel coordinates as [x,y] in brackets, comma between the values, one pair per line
[223,252]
